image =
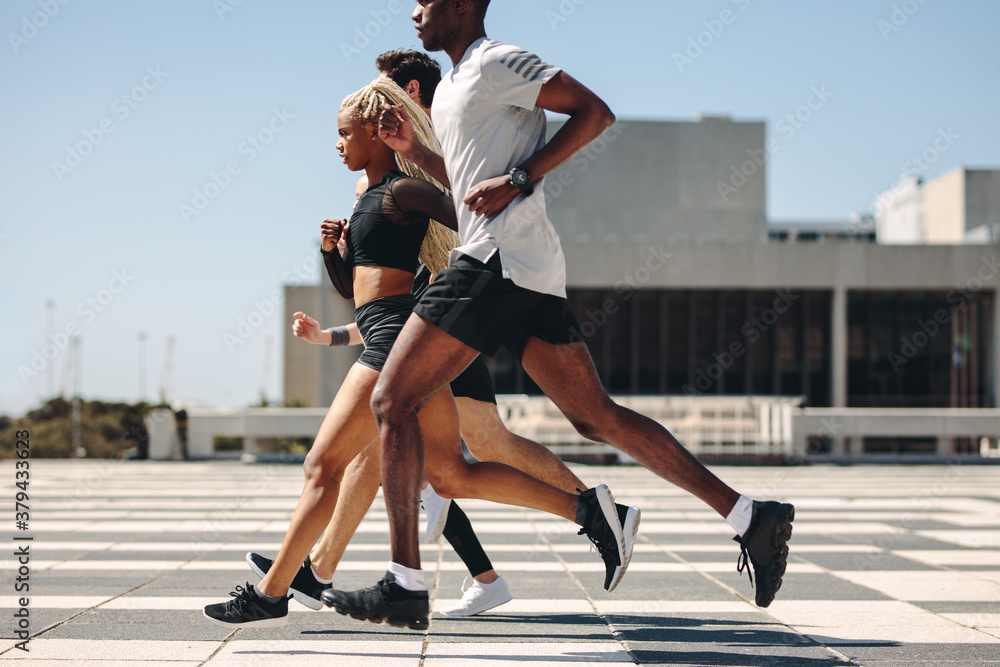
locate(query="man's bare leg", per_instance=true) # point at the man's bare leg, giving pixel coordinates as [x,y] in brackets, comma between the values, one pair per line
[567,375]
[357,491]
[489,440]
[395,402]
[423,360]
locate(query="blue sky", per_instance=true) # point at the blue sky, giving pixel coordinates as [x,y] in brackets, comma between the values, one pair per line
[163,95]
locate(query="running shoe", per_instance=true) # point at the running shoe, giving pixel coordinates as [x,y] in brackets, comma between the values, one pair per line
[765,545]
[248,609]
[305,588]
[385,601]
[436,508]
[597,514]
[476,599]
[629,518]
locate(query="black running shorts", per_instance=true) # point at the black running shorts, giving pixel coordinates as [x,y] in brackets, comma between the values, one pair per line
[474,303]
[380,321]
[475,383]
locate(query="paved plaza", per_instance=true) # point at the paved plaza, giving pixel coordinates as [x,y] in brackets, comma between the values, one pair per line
[889,565]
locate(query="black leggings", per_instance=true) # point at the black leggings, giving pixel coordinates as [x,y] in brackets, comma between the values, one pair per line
[458,531]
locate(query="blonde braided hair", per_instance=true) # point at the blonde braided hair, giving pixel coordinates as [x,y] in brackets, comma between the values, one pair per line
[366,106]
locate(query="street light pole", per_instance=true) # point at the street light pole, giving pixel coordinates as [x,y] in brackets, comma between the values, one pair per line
[77,384]
[50,329]
[142,366]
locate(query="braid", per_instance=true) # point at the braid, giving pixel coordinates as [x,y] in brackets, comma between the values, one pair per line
[366,106]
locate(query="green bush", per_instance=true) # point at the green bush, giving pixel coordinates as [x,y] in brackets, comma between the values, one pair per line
[107,430]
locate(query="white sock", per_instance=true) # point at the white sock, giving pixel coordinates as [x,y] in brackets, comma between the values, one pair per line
[411,580]
[739,516]
[319,578]
[494,585]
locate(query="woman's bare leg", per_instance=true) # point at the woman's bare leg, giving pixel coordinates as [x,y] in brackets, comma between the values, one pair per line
[358,489]
[345,430]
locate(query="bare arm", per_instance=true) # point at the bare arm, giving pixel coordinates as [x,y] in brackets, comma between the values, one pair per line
[308,330]
[588,115]
[396,130]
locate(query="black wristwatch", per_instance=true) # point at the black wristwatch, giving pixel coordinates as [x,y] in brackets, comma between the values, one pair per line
[520,178]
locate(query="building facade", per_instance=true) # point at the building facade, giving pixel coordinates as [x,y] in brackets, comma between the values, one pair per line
[959,207]
[680,287]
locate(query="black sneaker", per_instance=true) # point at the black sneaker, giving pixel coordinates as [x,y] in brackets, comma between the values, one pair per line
[305,588]
[765,544]
[597,514]
[248,609]
[629,518]
[385,601]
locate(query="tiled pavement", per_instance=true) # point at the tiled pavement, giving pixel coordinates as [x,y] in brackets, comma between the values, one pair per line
[890,565]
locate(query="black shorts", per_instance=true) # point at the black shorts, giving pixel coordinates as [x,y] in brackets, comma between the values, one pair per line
[380,321]
[475,383]
[474,303]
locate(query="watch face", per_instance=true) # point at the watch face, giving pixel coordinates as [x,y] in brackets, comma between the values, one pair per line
[519,177]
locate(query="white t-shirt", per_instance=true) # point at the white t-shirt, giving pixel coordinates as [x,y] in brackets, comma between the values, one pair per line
[485,116]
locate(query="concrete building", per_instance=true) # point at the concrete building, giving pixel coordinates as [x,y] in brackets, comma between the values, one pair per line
[669,182]
[680,288]
[899,214]
[959,207]
[856,230]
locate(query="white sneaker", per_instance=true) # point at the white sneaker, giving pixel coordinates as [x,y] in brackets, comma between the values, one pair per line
[436,508]
[477,599]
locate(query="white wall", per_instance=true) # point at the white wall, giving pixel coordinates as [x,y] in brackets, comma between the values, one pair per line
[899,214]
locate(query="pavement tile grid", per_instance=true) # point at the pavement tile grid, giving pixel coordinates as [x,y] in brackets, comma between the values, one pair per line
[890,565]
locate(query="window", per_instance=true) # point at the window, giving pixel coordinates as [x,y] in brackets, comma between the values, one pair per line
[700,342]
[918,349]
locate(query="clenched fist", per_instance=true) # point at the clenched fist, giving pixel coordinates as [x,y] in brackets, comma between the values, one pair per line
[331,230]
[306,328]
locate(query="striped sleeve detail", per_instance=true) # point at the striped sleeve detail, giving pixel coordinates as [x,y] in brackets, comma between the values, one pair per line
[526,64]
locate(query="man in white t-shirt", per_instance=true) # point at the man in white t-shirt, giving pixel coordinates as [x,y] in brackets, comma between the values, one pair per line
[506,285]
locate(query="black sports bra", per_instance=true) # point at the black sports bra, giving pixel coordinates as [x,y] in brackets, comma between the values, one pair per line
[388,227]
[380,233]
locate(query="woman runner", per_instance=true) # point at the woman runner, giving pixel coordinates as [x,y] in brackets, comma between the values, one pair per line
[386,233]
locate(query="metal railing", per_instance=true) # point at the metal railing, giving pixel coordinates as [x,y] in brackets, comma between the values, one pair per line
[737,426]
[750,428]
